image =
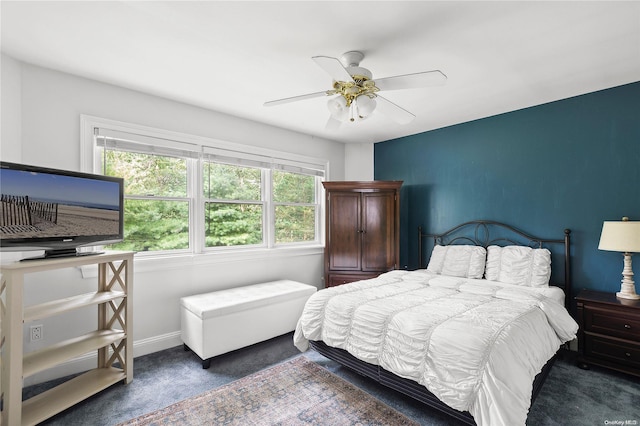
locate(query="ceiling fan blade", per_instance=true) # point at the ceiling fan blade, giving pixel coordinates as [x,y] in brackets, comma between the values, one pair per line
[333,67]
[393,111]
[412,81]
[295,98]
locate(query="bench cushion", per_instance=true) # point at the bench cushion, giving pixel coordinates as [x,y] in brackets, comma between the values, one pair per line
[223,302]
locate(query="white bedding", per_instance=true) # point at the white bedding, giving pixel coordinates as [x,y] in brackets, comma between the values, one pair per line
[475,344]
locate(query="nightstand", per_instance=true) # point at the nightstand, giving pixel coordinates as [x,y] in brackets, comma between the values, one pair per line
[609,333]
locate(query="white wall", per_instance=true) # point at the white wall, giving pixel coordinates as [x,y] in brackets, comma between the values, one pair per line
[41,111]
[358,161]
[10,109]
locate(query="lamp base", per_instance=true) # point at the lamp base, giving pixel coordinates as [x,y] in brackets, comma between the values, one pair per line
[628,288]
[627,295]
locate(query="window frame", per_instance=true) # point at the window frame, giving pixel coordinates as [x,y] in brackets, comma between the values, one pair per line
[317,196]
[207,149]
[204,200]
[188,198]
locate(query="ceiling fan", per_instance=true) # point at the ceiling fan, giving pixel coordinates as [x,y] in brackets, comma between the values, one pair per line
[355,94]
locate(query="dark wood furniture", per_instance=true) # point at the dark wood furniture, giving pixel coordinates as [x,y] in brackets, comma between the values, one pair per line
[609,333]
[362,230]
[479,232]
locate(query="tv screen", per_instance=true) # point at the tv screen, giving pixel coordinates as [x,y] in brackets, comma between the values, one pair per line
[57,210]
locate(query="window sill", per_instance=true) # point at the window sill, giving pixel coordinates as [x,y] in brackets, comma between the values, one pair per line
[154,263]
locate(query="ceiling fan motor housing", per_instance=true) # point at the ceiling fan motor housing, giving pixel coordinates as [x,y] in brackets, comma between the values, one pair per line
[359,73]
[351,61]
[352,58]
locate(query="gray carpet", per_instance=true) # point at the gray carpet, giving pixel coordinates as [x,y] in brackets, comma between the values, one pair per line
[570,396]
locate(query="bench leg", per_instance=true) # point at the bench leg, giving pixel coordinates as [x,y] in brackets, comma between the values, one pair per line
[206,363]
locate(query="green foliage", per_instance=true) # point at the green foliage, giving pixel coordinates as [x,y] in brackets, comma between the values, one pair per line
[226,182]
[152,225]
[295,224]
[155,226]
[233,215]
[229,224]
[146,174]
[293,188]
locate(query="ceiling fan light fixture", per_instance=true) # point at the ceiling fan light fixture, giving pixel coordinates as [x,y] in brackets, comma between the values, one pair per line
[338,108]
[365,105]
[357,93]
[357,109]
[352,91]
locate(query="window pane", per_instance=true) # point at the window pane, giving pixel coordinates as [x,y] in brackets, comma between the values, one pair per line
[295,224]
[226,182]
[151,225]
[146,174]
[232,224]
[293,188]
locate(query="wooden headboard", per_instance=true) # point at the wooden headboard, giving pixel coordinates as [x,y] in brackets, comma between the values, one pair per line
[487,232]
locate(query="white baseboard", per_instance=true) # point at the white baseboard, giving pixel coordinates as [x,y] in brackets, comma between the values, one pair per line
[157,343]
[88,361]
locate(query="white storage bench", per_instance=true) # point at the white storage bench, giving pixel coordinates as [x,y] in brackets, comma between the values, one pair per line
[222,321]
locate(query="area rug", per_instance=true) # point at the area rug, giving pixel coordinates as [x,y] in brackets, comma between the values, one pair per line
[297,392]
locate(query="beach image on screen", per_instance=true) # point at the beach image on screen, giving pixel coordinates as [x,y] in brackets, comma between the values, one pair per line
[44,205]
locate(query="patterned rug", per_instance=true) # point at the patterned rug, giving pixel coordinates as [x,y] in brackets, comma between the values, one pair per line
[297,392]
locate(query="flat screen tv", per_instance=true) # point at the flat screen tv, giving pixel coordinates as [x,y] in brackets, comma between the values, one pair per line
[58,211]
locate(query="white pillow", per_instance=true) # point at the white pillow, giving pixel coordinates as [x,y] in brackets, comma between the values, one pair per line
[458,261]
[519,265]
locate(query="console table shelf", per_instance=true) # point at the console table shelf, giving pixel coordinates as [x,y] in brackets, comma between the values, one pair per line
[53,355]
[69,393]
[112,340]
[60,306]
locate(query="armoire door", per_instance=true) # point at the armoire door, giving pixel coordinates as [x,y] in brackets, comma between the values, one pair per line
[344,231]
[378,231]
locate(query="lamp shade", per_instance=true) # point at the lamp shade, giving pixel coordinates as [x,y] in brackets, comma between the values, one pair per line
[365,105]
[623,236]
[338,108]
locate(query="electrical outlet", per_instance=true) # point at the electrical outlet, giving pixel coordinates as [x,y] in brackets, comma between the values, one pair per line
[35,332]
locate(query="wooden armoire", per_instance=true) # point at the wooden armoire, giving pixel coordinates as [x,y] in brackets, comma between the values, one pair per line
[362,230]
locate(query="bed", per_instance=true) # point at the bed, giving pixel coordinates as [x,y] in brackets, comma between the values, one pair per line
[473,334]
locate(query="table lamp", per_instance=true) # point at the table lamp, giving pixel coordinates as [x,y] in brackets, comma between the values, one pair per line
[623,236]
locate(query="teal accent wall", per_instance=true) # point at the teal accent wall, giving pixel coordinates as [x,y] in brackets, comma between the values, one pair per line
[572,163]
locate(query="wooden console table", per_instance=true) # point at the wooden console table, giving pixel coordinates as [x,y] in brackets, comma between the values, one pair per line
[113,338]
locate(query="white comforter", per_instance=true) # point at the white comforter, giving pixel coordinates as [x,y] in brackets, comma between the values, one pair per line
[475,344]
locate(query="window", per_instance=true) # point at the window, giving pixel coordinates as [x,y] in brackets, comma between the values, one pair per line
[186,197]
[156,200]
[233,205]
[295,207]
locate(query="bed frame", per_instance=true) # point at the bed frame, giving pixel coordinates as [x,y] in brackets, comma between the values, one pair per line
[488,232]
[481,233]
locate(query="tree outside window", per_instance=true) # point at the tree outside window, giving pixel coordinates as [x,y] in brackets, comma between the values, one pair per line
[233,207]
[156,202]
[168,197]
[294,197]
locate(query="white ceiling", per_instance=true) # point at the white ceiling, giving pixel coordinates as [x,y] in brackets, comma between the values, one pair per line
[233,56]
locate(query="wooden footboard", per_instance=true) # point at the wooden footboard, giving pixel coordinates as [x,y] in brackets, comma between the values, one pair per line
[409,387]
